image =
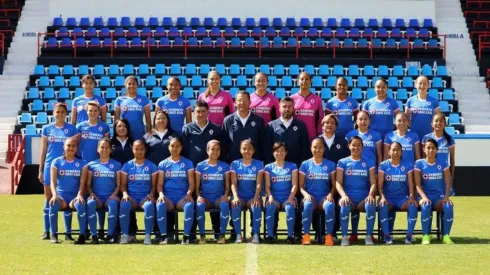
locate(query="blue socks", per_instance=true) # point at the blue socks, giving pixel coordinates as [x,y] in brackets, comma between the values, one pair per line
[236,216]
[329,208]
[355,221]
[46,215]
[67,218]
[383,219]
[426,214]
[92,220]
[162,217]
[224,207]
[201,217]
[82,217]
[307,216]
[290,218]
[101,217]
[412,218]
[124,216]
[391,219]
[370,218]
[149,209]
[112,206]
[344,219]
[188,217]
[270,218]
[53,217]
[257,217]
[448,217]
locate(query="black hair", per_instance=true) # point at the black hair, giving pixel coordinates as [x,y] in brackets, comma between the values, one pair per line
[201,103]
[161,112]
[434,142]
[399,145]
[356,138]
[358,114]
[447,136]
[278,145]
[128,129]
[286,99]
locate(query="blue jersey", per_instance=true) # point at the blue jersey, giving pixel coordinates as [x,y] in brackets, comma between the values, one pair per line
[104,176]
[318,177]
[381,114]
[432,176]
[212,178]
[80,103]
[89,138]
[176,110]
[176,182]
[133,109]
[344,110]
[68,175]
[246,176]
[369,141]
[281,179]
[395,178]
[421,113]
[407,141]
[139,177]
[356,176]
[56,138]
[443,146]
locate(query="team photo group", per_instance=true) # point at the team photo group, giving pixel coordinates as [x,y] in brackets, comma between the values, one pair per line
[247,152]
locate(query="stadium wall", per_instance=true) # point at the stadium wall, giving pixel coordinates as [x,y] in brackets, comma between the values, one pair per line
[252,8]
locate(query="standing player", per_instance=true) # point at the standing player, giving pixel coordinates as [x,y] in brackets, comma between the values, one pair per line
[68,188]
[246,183]
[220,102]
[381,109]
[409,140]
[263,103]
[176,106]
[317,183]
[308,106]
[138,182]
[175,188]
[343,107]
[213,190]
[79,111]
[356,184]
[133,107]
[421,107]
[371,140]
[281,185]
[52,140]
[103,181]
[433,181]
[90,132]
[396,191]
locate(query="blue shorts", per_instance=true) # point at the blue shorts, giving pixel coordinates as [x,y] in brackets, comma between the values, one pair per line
[137,198]
[47,174]
[212,199]
[397,202]
[67,197]
[174,199]
[435,199]
[103,199]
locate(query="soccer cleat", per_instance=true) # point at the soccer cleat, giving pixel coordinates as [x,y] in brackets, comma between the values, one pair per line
[290,240]
[345,241]
[147,240]
[298,239]
[95,239]
[329,240]
[109,239]
[408,241]
[185,240]
[426,239]
[447,240]
[238,238]
[81,239]
[45,236]
[255,239]
[54,238]
[202,240]
[221,239]
[124,239]
[100,234]
[306,239]
[158,237]
[413,239]
[164,240]
[132,238]
[270,240]
[388,240]
[369,240]
[68,237]
[353,238]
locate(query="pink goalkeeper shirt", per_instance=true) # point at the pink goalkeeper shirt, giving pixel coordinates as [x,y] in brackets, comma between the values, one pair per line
[266,107]
[220,105]
[309,109]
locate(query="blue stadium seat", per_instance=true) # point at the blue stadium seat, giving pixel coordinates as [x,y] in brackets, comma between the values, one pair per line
[383,71]
[277,22]
[357,94]
[175,69]
[156,93]
[280,93]
[113,70]
[359,23]
[437,83]
[264,68]
[332,22]
[317,82]
[125,21]
[390,43]
[249,69]
[454,119]
[160,70]
[208,22]
[317,22]
[195,22]
[226,81]
[264,22]
[400,106]
[78,92]
[236,22]
[57,22]
[441,71]
[59,81]
[183,80]
[368,70]
[234,70]
[323,70]
[413,71]
[250,22]
[139,22]
[32,93]
[338,70]
[434,93]
[427,23]
[413,23]
[64,93]
[290,22]
[272,81]
[294,70]
[362,82]
[310,69]
[112,22]
[444,106]
[110,93]
[188,93]
[196,81]
[279,70]
[31,130]
[234,91]
[407,82]
[331,81]
[167,22]
[39,70]
[400,23]
[305,42]
[220,68]
[418,43]
[353,70]
[99,70]
[222,22]
[345,23]
[312,32]
[36,105]
[204,69]
[393,82]
[41,118]
[427,70]
[354,32]
[304,22]
[326,93]
[277,42]
[71,22]
[387,23]
[242,81]
[448,94]
[320,42]
[74,82]
[151,81]
[51,103]
[402,94]
[105,82]
[286,81]
[370,93]
[48,93]
[373,23]
[53,70]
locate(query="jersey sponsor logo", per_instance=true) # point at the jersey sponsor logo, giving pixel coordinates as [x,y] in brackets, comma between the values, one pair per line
[380,112]
[311,176]
[414,110]
[131,177]
[205,176]
[357,172]
[239,177]
[96,173]
[247,176]
[124,108]
[167,174]
[62,172]
[349,172]
[273,179]
[212,177]
[388,178]
[70,173]
[91,136]
[296,112]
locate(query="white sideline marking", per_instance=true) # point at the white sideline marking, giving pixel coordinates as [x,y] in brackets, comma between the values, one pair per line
[252,267]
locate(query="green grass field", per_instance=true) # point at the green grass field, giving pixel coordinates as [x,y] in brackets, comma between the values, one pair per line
[21,251]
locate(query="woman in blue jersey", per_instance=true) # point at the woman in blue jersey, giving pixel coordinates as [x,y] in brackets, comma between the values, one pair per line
[158,139]
[381,108]
[343,107]
[68,188]
[134,107]
[433,182]
[90,132]
[409,140]
[103,185]
[79,111]
[246,185]
[281,185]
[175,188]
[177,107]
[356,184]
[371,140]
[52,140]
[138,183]
[421,107]
[396,191]
[317,183]
[213,189]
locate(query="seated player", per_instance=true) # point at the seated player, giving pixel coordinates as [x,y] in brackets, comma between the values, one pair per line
[317,183]
[356,184]
[213,190]
[396,191]
[281,185]
[138,181]
[433,182]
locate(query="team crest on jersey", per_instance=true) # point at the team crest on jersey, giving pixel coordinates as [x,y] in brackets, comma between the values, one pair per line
[296,112]
[51,138]
[287,170]
[124,108]
[167,174]
[180,103]
[139,100]
[253,123]
[388,177]
[349,104]
[439,167]
[111,165]
[268,99]
[219,168]
[372,112]
[348,172]
[66,131]
[409,139]
[312,101]
[444,143]
[335,112]
[311,176]
[85,135]
[295,128]
[402,168]
[211,132]
[77,164]
[239,177]
[369,137]
[414,110]
[253,168]
[146,169]
[131,177]
[425,176]
[387,104]
[62,172]
[182,165]
[273,179]
[220,98]
[205,176]
[96,173]
[338,146]
[428,103]
[170,137]
[325,168]
[363,164]
[100,129]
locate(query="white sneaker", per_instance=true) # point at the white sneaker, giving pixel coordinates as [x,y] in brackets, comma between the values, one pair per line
[345,241]
[238,238]
[147,240]
[164,241]
[124,239]
[185,242]
[255,239]
[369,240]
